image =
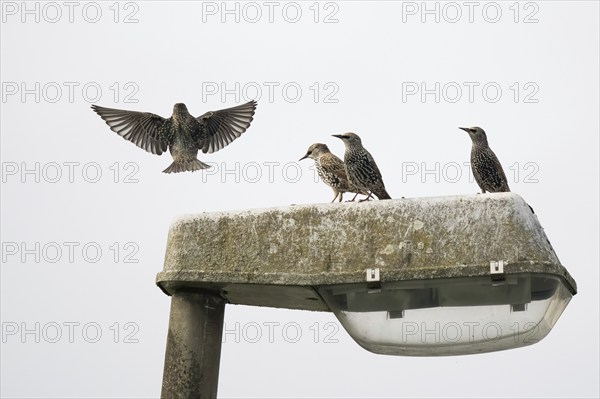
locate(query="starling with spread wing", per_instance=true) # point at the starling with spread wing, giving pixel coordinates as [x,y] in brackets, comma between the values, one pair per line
[182,134]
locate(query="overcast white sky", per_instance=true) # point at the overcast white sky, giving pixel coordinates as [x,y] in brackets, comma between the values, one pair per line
[85,214]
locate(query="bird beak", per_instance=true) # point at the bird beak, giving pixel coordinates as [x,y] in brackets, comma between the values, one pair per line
[466,129]
[304,157]
[339,136]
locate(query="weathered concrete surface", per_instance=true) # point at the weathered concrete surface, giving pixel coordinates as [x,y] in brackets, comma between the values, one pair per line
[312,245]
[193,350]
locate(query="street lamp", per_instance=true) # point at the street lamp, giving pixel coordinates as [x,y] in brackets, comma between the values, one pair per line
[422,277]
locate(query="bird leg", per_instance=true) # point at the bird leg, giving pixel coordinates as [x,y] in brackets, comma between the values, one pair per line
[368,197]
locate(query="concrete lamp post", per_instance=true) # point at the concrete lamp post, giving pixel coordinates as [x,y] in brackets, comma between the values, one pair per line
[419,277]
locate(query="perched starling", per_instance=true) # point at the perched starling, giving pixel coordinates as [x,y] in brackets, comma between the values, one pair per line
[487,170]
[182,133]
[331,170]
[361,168]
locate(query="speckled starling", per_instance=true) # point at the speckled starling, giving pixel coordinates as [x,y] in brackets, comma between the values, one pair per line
[331,170]
[361,168]
[487,170]
[182,133]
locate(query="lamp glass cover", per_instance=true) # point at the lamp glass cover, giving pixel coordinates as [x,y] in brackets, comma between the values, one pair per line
[453,316]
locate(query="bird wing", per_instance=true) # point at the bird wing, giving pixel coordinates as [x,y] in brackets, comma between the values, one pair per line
[141,128]
[502,182]
[332,164]
[220,128]
[373,165]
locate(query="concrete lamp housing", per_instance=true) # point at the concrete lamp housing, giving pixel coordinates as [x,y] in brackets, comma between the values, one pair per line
[417,277]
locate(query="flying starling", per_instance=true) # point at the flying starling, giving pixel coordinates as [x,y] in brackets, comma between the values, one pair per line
[487,170]
[182,133]
[361,168]
[331,170]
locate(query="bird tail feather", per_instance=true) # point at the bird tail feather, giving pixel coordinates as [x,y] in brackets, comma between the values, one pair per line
[383,195]
[191,165]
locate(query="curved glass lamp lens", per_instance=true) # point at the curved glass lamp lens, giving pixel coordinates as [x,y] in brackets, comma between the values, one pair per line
[449,316]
